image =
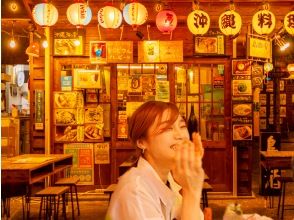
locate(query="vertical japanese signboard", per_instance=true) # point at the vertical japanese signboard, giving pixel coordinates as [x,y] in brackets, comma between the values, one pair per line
[39,109]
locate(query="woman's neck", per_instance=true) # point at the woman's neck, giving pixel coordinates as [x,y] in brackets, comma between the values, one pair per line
[162,171]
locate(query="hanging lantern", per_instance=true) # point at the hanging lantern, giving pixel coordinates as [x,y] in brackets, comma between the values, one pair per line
[289,22]
[264,21]
[109,17]
[230,22]
[45,14]
[79,14]
[268,67]
[198,22]
[166,21]
[135,14]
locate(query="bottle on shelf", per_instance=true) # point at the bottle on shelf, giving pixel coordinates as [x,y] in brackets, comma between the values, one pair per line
[192,122]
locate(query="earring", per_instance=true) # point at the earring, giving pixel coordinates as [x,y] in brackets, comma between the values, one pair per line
[143,150]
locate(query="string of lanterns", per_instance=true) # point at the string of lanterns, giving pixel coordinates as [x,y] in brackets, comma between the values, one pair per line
[135,14]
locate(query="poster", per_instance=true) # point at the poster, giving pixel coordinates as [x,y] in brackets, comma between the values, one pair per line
[119,52]
[98,52]
[102,153]
[148,52]
[162,91]
[83,164]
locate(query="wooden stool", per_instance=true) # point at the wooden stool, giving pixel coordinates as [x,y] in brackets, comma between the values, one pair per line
[49,194]
[206,188]
[283,181]
[71,182]
[110,189]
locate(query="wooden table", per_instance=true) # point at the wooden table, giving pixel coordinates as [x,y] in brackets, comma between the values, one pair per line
[276,159]
[18,173]
[271,160]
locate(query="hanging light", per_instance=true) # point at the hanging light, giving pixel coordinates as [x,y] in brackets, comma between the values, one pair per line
[230,22]
[79,14]
[109,17]
[135,14]
[45,14]
[166,21]
[279,41]
[12,43]
[288,22]
[268,67]
[264,21]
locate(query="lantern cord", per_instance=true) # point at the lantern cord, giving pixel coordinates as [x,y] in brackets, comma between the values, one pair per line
[171,35]
[99,33]
[148,26]
[121,33]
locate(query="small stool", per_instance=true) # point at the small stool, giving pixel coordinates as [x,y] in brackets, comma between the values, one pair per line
[206,188]
[70,182]
[49,194]
[283,181]
[110,189]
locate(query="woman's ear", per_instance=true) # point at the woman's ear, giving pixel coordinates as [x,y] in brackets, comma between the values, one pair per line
[140,144]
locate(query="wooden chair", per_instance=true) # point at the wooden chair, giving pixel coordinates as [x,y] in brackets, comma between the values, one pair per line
[51,195]
[110,189]
[206,188]
[71,182]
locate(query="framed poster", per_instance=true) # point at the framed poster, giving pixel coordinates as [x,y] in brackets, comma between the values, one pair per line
[242,132]
[83,161]
[87,79]
[65,42]
[98,52]
[119,52]
[242,87]
[148,52]
[209,45]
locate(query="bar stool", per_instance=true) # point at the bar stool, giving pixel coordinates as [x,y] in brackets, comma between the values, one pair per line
[284,181]
[70,182]
[49,194]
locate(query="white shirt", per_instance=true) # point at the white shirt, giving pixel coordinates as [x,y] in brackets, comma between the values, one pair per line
[142,195]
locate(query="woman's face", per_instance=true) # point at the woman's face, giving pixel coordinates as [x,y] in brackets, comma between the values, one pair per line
[162,138]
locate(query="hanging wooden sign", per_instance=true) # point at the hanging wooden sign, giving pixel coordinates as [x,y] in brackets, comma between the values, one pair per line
[119,52]
[39,109]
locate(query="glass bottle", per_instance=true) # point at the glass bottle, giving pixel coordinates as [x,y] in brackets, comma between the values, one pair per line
[192,122]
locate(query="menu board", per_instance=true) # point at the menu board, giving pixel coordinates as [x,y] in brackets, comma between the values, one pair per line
[119,52]
[83,161]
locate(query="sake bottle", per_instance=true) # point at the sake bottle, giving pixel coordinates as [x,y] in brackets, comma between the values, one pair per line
[192,122]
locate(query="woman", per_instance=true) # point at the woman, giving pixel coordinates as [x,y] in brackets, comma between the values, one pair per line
[167,182]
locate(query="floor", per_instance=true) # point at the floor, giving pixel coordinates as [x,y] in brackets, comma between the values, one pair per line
[93,205]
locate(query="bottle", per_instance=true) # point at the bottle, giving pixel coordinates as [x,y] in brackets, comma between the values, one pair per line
[192,122]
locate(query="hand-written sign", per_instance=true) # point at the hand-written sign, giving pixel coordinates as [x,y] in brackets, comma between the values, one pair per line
[260,48]
[119,52]
[169,51]
[102,153]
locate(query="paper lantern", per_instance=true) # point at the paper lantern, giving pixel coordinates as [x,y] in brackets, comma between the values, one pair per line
[109,17]
[263,22]
[79,14]
[268,67]
[230,22]
[289,22]
[135,14]
[45,14]
[166,21]
[198,22]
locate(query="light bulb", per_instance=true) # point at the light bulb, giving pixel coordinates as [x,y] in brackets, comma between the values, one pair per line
[77,42]
[285,46]
[45,44]
[12,43]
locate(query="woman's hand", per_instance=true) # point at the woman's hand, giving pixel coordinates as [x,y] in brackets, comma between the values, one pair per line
[188,171]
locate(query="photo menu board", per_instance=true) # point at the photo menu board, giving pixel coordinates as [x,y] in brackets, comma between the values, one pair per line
[242,120]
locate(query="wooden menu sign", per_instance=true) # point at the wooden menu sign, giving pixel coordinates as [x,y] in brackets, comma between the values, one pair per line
[160,51]
[119,52]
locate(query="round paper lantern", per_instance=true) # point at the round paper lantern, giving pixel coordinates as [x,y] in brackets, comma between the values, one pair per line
[289,22]
[135,14]
[166,21]
[45,14]
[230,22]
[263,22]
[268,67]
[198,22]
[109,17]
[79,14]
